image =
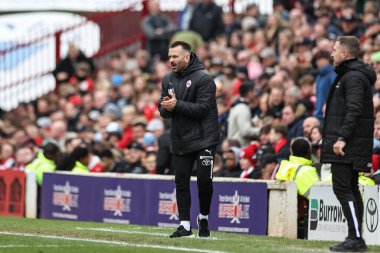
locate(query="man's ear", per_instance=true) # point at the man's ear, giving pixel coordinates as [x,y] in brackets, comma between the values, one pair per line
[345,54]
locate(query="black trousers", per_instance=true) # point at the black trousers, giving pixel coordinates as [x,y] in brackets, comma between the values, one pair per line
[346,189]
[183,165]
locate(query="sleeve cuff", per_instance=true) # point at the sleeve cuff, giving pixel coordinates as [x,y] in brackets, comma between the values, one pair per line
[340,138]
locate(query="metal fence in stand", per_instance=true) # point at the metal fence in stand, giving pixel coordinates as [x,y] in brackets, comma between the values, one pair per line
[30,52]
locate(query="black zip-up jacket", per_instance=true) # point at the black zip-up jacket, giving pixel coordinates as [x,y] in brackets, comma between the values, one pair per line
[350,115]
[194,123]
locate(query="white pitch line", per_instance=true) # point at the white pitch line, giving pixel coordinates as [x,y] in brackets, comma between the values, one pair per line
[119,243]
[121,231]
[38,246]
[139,232]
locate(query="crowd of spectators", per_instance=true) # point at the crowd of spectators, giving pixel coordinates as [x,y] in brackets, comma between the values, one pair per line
[273,73]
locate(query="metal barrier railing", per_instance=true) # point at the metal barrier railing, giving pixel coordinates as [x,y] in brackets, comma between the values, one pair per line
[27,59]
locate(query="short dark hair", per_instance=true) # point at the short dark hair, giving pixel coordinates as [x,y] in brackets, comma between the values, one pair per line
[306,80]
[351,44]
[301,147]
[186,46]
[265,129]
[106,153]
[280,129]
[246,87]
[51,151]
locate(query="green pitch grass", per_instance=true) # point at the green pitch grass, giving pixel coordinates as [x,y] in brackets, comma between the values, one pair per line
[18,235]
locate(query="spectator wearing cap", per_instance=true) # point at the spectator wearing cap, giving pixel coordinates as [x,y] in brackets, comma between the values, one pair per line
[113,133]
[231,165]
[350,23]
[239,119]
[268,60]
[325,78]
[135,154]
[268,166]
[248,160]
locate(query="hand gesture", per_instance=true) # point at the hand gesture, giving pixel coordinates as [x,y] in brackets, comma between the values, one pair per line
[169,103]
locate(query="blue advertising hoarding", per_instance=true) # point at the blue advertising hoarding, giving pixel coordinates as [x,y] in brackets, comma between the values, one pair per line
[239,207]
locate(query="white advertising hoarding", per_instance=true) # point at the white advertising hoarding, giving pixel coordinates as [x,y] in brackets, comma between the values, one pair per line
[327,221]
[326,218]
[371,231]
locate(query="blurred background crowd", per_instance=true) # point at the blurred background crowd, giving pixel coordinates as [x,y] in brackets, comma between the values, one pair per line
[272,72]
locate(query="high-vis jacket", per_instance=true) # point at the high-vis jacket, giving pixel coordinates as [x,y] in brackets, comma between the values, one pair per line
[363,180]
[299,170]
[80,168]
[40,165]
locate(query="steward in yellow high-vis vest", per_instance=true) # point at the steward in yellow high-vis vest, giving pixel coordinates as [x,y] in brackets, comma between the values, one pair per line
[80,158]
[80,168]
[45,161]
[298,169]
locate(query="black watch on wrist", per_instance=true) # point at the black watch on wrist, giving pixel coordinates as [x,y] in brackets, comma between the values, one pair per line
[341,139]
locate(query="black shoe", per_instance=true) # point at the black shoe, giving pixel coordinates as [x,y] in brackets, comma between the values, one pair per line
[350,245]
[203,231]
[180,232]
